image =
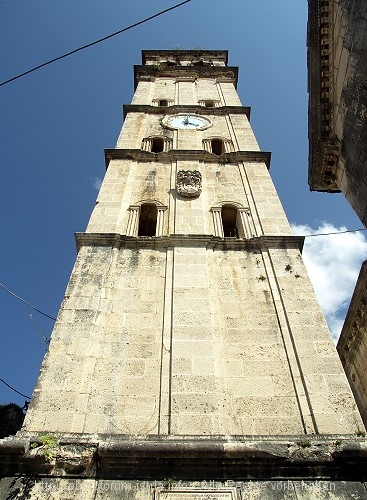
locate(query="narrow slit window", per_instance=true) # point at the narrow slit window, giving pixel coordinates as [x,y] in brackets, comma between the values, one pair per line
[229,221]
[148,220]
[157,145]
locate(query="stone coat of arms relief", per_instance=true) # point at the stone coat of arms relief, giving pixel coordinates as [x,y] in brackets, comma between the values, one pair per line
[188,183]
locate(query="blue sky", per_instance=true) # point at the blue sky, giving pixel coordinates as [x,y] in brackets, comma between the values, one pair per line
[56,122]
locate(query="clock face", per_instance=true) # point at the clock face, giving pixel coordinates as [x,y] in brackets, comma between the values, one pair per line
[186,122]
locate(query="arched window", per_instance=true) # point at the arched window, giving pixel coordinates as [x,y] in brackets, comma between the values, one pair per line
[162,102]
[232,221]
[217,146]
[229,221]
[157,145]
[209,103]
[147,219]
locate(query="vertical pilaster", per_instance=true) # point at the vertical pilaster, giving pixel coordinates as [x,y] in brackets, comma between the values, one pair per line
[217,221]
[164,425]
[160,220]
[133,221]
[248,229]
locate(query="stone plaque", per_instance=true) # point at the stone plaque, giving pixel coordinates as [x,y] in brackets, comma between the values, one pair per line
[196,494]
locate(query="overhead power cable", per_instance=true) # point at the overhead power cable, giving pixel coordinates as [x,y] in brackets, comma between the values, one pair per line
[92,43]
[12,388]
[336,232]
[304,236]
[25,302]
[44,338]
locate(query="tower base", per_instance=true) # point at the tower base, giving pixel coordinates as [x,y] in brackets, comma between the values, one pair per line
[105,467]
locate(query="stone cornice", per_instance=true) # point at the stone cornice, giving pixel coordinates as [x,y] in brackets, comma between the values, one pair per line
[335,457]
[323,145]
[161,71]
[188,240]
[182,154]
[200,110]
[221,55]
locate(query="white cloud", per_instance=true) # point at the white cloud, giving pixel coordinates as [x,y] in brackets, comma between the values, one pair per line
[333,263]
[97,183]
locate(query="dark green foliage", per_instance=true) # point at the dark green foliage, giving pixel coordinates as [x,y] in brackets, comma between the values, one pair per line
[11,419]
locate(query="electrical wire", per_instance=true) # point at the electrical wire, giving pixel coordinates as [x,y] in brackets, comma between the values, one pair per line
[44,338]
[28,304]
[304,236]
[12,388]
[92,43]
[336,232]
[25,302]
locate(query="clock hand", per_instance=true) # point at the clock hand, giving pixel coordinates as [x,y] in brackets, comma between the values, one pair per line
[186,121]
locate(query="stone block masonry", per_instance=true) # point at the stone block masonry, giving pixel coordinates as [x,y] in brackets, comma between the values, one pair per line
[190,359]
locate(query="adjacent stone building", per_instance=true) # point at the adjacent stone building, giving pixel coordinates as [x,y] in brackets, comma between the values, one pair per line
[337,73]
[337,69]
[352,345]
[190,358]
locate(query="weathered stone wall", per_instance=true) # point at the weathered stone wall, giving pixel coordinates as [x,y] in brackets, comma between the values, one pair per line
[101,489]
[337,43]
[352,344]
[185,468]
[102,370]
[186,339]
[128,183]
[187,332]
[181,92]
[140,125]
[351,107]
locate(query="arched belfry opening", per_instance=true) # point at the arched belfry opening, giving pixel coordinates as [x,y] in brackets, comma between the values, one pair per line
[148,220]
[208,103]
[229,221]
[217,146]
[157,145]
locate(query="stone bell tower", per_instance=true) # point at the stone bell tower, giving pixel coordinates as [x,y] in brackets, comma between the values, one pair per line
[189,346]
